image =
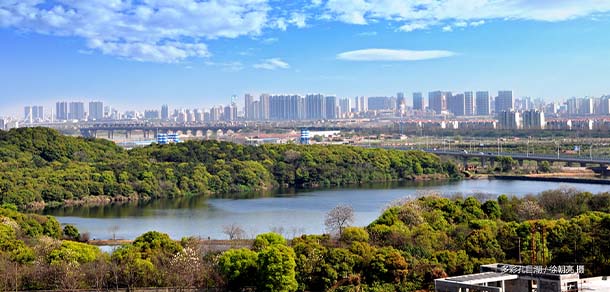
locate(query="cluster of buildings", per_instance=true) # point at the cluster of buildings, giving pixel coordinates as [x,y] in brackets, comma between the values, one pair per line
[470,108]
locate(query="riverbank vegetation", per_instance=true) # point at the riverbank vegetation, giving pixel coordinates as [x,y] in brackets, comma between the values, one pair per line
[409,245]
[39,167]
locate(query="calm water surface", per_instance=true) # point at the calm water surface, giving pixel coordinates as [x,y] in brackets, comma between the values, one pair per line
[292,213]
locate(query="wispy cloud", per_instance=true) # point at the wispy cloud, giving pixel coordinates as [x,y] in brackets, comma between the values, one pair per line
[272,64]
[413,15]
[227,66]
[268,41]
[392,55]
[367,33]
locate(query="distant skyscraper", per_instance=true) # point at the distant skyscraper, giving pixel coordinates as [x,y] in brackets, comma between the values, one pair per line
[418,101]
[230,113]
[586,106]
[76,110]
[437,101]
[605,105]
[505,101]
[151,114]
[96,110]
[264,107]
[509,119]
[27,114]
[357,107]
[401,103]
[165,112]
[331,107]
[533,119]
[345,106]
[286,107]
[483,103]
[468,103]
[315,106]
[456,104]
[248,106]
[61,111]
[364,104]
[380,103]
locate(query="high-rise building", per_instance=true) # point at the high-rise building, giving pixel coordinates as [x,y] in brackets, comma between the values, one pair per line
[96,110]
[76,110]
[264,102]
[215,113]
[586,106]
[61,111]
[468,103]
[286,107]
[483,103]
[151,114]
[248,107]
[456,104]
[364,104]
[437,101]
[533,119]
[605,105]
[315,106]
[509,119]
[345,106]
[34,113]
[401,103]
[418,101]
[165,112]
[378,103]
[230,113]
[331,107]
[505,101]
[27,114]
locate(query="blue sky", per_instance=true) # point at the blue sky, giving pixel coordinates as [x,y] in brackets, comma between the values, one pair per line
[188,53]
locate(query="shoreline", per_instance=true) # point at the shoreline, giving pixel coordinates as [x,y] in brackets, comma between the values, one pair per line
[550,179]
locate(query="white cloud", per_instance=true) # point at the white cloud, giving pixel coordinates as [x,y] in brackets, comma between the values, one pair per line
[298,19]
[227,66]
[392,55]
[416,25]
[150,30]
[272,64]
[447,28]
[367,33]
[268,41]
[477,23]
[412,15]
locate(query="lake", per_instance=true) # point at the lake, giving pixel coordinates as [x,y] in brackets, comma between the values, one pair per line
[288,212]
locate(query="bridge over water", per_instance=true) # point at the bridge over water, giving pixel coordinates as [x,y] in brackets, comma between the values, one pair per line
[491,157]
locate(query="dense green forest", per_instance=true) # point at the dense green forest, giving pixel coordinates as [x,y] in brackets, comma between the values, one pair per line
[38,167]
[409,245]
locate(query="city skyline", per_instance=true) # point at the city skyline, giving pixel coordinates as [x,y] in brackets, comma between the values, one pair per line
[62,51]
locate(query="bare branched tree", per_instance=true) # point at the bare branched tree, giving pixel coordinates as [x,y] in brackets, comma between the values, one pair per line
[233,231]
[338,218]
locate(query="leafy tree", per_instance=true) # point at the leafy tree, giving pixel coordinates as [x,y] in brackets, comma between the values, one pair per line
[71,232]
[351,234]
[239,266]
[268,239]
[492,209]
[276,266]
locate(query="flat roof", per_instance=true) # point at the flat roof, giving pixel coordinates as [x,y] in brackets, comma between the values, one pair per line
[594,284]
[482,278]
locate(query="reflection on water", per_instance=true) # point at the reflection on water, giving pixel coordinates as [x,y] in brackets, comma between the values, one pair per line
[294,211]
